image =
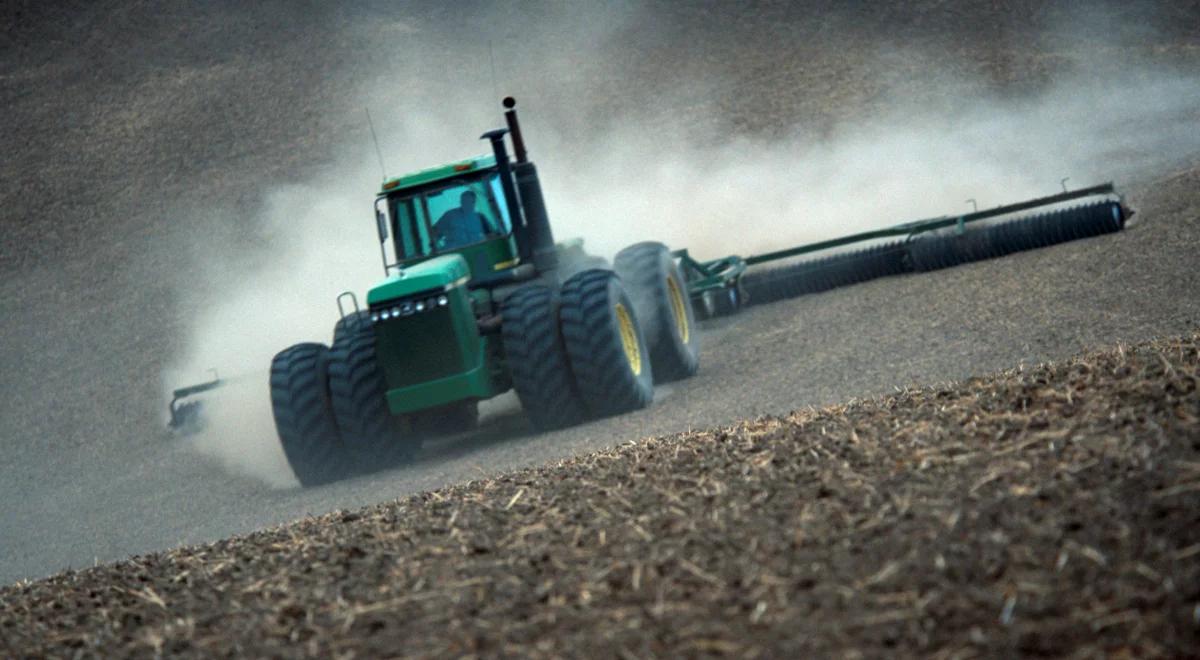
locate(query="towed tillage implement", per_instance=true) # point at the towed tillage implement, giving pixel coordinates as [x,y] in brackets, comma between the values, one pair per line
[479,299]
[722,286]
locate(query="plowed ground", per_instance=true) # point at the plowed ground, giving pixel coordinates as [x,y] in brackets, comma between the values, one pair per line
[1047,510]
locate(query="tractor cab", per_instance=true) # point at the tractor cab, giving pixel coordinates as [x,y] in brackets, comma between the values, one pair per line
[460,208]
[485,215]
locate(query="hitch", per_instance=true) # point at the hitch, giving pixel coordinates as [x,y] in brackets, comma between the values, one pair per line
[185,415]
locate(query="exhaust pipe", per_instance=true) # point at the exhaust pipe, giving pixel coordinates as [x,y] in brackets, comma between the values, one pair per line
[537,221]
[514,127]
[496,137]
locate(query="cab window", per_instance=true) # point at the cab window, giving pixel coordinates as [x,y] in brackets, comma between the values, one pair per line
[450,216]
[412,233]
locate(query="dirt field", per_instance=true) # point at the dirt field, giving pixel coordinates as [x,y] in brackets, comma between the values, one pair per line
[147,147]
[1051,510]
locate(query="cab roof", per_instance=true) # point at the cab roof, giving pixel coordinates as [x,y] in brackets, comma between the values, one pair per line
[431,174]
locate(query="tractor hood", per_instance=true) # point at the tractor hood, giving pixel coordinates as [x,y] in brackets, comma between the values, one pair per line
[440,273]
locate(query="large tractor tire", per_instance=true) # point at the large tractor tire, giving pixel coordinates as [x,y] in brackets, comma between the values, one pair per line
[357,390]
[537,359]
[605,344]
[664,310]
[304,416]
[350,322]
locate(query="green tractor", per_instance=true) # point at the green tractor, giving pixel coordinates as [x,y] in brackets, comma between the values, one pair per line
[478,299]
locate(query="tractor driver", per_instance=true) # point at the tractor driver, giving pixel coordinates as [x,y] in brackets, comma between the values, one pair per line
[461,226]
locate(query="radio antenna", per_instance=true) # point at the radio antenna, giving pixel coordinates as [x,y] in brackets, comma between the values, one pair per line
[492,57]
[375,139]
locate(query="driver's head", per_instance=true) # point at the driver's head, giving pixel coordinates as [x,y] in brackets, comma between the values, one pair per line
[467,200]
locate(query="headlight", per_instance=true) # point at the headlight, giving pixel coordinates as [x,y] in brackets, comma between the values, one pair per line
[410,307]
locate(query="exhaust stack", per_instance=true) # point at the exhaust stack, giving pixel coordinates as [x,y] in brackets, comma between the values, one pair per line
[514,127]
[537,221]
[496,137]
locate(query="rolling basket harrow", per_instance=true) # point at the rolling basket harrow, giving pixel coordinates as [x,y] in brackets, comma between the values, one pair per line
[722,286]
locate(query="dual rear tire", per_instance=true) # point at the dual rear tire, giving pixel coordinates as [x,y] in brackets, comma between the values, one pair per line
[660,296]
[358,394]
[607,349]
[538,360]
[597,347]
[330,408]
[576,354]
[304,417]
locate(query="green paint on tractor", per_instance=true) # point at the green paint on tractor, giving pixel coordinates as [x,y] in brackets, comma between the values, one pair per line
[439,173]
[426,337]
[437,274]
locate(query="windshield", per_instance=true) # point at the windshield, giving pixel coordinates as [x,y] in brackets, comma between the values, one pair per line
[451,215]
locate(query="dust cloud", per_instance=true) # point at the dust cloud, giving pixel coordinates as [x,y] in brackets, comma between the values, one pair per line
[650,178]
[322,240]
[746,195]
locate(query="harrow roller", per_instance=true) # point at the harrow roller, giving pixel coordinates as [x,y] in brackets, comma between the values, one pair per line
[924,245]
[934,250]
[816,275]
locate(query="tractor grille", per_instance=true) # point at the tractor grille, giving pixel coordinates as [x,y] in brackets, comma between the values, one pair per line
[424,337]
[421,303]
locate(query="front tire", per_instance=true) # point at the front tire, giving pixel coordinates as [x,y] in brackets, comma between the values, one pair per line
[660,295]
[537,359]
[349,323]
[605,344]
[359,395]
[304,417]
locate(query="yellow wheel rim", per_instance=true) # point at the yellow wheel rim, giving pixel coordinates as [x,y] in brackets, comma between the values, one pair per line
[629,340]
[677,307]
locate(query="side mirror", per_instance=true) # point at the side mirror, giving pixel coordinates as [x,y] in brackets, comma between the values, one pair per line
[381,225]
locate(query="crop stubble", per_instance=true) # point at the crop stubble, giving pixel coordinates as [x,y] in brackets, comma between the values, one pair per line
[1048,509]
[1051,509]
